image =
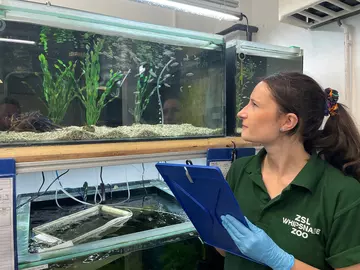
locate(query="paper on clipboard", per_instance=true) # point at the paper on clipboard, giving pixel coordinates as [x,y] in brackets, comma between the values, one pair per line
[7,248]
[224,166]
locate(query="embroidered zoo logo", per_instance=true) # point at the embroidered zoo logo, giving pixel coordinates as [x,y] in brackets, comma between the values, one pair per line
[301,226]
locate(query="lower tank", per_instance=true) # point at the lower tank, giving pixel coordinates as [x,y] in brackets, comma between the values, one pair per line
[174,256]
[158,236]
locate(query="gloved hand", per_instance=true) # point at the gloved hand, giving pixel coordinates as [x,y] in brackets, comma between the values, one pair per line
[254,243]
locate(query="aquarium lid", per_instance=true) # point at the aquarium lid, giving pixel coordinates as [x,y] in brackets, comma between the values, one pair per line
[205,196]
[265,50]
[53,16]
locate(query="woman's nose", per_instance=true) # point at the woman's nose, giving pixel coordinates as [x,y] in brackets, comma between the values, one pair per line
[242,113]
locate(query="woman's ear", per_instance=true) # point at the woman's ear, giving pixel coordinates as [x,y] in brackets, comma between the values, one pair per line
[290,121]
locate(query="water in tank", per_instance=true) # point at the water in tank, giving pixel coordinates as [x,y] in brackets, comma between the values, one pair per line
[157,234]
[68,76]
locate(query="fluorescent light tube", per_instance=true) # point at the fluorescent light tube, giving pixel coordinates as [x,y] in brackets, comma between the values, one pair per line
[192,9]
[20,41]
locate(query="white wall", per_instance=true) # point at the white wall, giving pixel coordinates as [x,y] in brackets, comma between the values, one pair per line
[31,182]
[323,47]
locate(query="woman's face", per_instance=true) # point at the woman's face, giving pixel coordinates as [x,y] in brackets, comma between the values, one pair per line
[261,120]
[171,111]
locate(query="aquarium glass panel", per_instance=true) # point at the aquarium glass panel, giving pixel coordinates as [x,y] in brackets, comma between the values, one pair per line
[73,76]
[255,61]
[156,220]
[186,254]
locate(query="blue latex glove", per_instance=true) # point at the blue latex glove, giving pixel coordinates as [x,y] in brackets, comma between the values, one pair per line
[254,243]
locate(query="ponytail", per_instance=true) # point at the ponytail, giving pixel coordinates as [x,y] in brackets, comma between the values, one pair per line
[339,143]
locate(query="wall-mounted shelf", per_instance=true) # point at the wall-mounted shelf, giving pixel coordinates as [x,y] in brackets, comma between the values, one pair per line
[46,158]
[311,14]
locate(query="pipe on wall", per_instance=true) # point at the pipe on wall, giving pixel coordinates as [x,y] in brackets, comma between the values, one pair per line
[348,45]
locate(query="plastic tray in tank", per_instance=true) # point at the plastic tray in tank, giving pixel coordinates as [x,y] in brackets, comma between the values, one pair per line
[47,233]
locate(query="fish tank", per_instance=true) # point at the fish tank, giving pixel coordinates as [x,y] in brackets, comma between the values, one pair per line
[68,76]
[247,63]
[56,231]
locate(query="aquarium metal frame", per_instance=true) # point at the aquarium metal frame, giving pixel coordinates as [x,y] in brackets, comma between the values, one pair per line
[230,100]
[102,141]
[266,50]
[60,17]
[35,156]
[82,163]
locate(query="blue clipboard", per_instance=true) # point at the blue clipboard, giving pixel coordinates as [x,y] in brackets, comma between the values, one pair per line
[205,196]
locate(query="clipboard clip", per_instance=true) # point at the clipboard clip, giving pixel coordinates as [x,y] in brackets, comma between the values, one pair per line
[188,175]
[188,162]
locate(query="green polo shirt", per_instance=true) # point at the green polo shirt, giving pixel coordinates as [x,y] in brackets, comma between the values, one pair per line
[316,218]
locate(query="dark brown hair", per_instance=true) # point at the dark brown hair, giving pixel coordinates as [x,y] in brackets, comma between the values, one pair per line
[339,141]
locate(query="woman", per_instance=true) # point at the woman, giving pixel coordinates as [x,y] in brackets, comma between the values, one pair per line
[300,193]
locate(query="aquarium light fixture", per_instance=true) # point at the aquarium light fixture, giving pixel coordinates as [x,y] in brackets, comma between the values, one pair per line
[192,9]
[20,41]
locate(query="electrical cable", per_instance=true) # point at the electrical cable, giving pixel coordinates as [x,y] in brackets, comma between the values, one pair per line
[242,16]
[43,182]
[128,190]
[102,186]
[97,193]
[77,200]
[56,200]
[143,183]
[101,177]
[39,195]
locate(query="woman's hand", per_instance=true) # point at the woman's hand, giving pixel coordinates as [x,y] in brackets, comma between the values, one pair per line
[254,243]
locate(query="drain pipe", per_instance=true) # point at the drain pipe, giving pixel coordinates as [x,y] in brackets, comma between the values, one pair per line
[348,63]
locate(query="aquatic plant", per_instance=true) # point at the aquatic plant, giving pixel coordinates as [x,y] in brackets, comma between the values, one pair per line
[142,98]
[151,57]
[31,121]
[61,36]
[181,255]
[142,95]
[89,94]
[43,37]
[158,89]
[58,88]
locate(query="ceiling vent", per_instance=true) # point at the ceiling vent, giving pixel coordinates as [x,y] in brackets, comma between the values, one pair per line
[311,13]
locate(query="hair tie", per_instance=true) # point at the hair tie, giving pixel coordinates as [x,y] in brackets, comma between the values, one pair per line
[331,103]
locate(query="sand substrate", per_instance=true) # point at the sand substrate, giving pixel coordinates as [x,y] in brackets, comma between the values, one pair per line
[123,132]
